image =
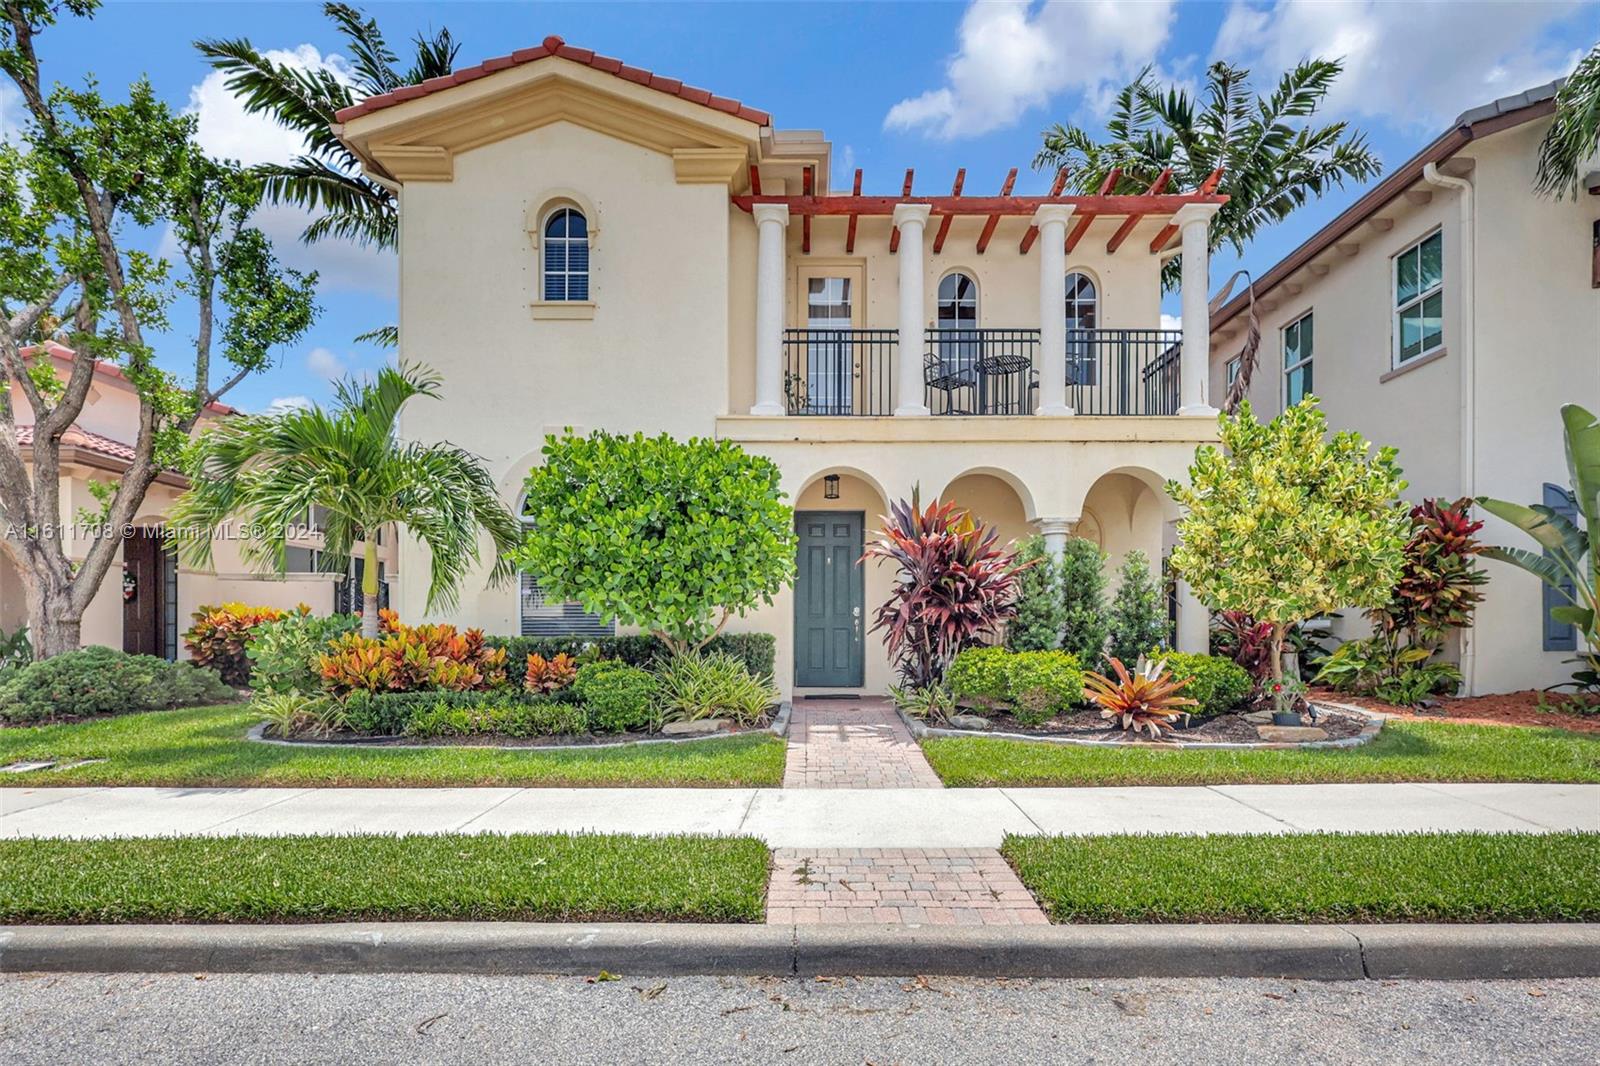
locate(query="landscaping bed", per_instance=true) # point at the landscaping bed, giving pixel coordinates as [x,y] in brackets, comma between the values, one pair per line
[1234,729]
[1404,751]
[1322,877]
[520,877]
[1508,708]
[207,746]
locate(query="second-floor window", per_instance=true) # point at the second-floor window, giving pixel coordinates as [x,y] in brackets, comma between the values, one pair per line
[1083,313]
[1419,300]
[566,255]
[958,322]
[1298,348]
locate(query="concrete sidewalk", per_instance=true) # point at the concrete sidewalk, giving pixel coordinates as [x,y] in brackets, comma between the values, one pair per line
[822,818]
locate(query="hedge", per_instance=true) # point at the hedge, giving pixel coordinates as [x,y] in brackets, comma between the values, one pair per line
[389,714]
[758,651]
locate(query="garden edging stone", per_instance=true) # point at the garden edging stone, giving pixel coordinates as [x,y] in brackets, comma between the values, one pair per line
[1374,725]
[1306,952]
[778,728]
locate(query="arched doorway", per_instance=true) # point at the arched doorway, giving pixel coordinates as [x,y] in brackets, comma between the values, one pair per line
[833,592]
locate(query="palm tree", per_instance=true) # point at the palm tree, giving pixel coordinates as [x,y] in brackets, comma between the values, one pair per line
[270,471]
[326,179]
[1574,135]
[1271,158]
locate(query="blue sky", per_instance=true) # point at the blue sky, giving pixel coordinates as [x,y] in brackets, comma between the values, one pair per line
[894,85]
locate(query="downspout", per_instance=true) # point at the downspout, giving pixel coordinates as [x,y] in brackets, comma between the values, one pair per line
[1467,353]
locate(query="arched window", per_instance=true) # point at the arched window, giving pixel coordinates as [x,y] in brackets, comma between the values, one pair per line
[958,324]
[545,618]
[1083,316]
[566,255]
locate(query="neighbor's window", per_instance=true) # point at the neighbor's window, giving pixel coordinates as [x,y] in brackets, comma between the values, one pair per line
[1419,299]
[1232,369]
[566,255]
[1298,338]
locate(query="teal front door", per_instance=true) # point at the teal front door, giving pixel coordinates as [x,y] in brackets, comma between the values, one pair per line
[829,600]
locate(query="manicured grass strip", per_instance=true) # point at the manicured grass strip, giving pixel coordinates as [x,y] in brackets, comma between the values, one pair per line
[206,746]
[1404,751]
[1324,877]
[553,877]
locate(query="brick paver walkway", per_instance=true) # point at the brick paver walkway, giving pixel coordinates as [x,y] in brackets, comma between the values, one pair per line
[863,744]
[853,744]
[933,886]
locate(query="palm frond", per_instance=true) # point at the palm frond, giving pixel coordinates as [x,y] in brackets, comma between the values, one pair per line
[1574,134]
[370,54]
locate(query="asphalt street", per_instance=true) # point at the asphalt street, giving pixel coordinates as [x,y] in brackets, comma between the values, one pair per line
[242,1018]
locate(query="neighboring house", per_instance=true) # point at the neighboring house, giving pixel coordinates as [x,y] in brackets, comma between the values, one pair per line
[1449,312]
[146,605]
[589,245]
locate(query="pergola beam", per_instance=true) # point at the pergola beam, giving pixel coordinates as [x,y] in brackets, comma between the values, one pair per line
[1113,206]
[994,219]
[945,220]
[1087,216]
[1207,193]
[1033,231]
[808,185]
[905,197]
[850,234]
[1157,186]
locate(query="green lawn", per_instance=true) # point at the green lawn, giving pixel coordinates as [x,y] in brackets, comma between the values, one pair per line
[206,746]
[1387,877]
[384,878]
[1404,751]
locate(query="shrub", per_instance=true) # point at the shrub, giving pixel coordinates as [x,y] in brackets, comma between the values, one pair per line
[933,702]
[492,715]
[96,681]
[1042,684]
[391,713]
[1147,700]
[1216,684]
[1246,641]
[978,676]
[549,675]
[1041,610]
[670,536]
[1085,627]
[220,636]
[617,696]
[289,714]
[692,687]
[1138,613]
[413,659]
[758,651]
[283,654]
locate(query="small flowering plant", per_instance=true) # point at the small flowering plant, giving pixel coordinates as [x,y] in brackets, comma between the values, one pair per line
[1287,694]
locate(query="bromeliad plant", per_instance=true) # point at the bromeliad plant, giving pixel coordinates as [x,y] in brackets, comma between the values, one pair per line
[955,586]
[1147,700]
[1569,560]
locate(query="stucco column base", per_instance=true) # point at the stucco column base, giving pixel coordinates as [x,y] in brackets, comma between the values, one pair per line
[1198,410]
[768,409]
[1058,410]
[911,412]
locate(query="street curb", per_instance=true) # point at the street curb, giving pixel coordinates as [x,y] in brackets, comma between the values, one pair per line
[1306,952]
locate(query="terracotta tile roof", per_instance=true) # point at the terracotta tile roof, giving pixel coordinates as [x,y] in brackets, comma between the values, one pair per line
[555,46]
[76,437]
[111,370]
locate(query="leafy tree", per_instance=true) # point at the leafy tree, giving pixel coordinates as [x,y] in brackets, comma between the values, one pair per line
[272,470]
[1574,134]
[1138,615]
[1284,523]
[1041,613]
[328,178]
[1569,555]
[85,178]
[1083,596]
[1273,159]
[674,537]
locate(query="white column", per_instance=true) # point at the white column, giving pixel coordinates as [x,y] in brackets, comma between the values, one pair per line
[1056,530]
[1194,223]
[911,220]
[772,221]
[1194,622]
[1052,222]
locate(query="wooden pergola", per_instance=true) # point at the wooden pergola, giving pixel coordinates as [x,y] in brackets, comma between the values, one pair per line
[1131,208]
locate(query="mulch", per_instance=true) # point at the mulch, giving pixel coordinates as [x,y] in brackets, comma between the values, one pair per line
[1222,729]
[1508,708]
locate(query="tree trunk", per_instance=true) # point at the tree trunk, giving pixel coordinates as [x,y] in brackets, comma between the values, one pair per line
[369,590]
[52,626]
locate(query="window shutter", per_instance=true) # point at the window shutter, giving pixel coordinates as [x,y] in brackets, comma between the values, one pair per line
[1558,636]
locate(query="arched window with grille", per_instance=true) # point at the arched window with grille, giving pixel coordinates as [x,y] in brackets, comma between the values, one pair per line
[1083,317]
[542,617]
[958,323]
[566,255]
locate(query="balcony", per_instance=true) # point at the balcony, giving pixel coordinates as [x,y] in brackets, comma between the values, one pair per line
[849,372]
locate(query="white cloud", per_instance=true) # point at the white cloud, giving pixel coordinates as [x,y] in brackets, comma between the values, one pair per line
[1171,321]
[326,364]
[226,130]
[284,404]
[1412,64]
[1013,57]
[12,112]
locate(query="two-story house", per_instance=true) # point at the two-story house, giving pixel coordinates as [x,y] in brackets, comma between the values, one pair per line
[1450,312]
[589,245]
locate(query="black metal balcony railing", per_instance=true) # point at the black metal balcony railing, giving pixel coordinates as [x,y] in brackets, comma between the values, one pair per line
[1123,371]
[981,371]
[838,371]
